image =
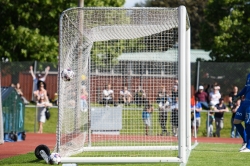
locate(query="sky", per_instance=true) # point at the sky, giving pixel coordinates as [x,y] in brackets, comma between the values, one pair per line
[131,3]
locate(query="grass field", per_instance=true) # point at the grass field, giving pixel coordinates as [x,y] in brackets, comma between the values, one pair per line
[50,125]
[203,154]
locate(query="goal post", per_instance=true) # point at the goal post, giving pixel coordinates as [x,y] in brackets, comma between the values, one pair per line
[130,94]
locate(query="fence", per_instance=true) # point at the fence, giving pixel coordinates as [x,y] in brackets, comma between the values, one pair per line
[204,73]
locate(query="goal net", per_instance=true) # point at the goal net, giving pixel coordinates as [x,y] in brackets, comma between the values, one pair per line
[128,99]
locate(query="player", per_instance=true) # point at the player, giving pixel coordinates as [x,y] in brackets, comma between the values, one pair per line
[243,114]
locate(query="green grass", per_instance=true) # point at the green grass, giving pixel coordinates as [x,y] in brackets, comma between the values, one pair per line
[203,155]
[133,125]
[48,127]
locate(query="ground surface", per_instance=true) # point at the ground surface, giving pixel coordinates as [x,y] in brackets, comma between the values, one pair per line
[9,149]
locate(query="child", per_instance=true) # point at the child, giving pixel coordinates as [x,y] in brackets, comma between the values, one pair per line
[146,116]
[211,120]
[84,96]
[196,118]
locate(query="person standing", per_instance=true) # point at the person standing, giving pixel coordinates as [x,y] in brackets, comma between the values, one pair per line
[219,109]
[243,114]
[39,78]
[84,97]
[196,120]
[146,116]
[234,131]
[233,106]
[42,105]
[40,92]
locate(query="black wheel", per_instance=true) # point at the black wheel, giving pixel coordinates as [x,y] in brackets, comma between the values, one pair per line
[13,136]
[39,148]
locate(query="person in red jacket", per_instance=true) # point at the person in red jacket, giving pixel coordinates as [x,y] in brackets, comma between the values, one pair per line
[202,97]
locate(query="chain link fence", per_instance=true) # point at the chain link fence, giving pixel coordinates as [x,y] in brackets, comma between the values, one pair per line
[19,72]
[202,73]
[224,74]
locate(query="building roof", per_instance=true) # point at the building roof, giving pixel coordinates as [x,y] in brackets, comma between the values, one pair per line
[167,56]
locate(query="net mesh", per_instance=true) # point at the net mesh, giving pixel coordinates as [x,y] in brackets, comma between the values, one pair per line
[122,60]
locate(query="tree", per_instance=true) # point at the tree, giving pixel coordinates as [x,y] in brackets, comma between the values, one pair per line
[225,30]
[195,12]
[29,29]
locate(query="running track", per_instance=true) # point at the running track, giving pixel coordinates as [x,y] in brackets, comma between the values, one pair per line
[9,149]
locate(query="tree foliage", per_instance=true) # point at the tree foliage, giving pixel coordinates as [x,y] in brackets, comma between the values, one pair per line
[225,30]
[29,28]
[195,10]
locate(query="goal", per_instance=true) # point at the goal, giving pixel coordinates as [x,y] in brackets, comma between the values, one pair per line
[114,109]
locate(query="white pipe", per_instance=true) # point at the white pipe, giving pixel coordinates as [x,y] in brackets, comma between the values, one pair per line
[118,159]
[129,148]
[182,83]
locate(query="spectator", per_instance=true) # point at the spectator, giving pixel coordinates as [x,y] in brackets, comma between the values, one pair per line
[19,91]
[219,109]
[140,96]
[231,103]
[84,97]
[108,95]
[12,85]
[214,96]
[39,77]
[163,97]
[234,131]
[55,99]
[42,105]
[196,120]
[174,117]
[41,92]
[210,127]
[125,96]
[202,97]
[174,94]
[146,116]
[163,116]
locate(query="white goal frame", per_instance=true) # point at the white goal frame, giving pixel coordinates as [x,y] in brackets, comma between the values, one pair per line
[184,133]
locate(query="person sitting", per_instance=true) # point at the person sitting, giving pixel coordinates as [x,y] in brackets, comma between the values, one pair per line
[125,96]
[202,97]
[20,92]
[140,96]
[108,95]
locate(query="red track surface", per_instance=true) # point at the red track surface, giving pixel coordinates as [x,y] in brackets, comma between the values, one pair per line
[9,149]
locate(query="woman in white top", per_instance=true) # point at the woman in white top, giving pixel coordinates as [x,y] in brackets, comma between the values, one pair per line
[42,105]
[214,96]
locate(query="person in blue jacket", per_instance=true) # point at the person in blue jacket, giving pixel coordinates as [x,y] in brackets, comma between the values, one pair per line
[243,114]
